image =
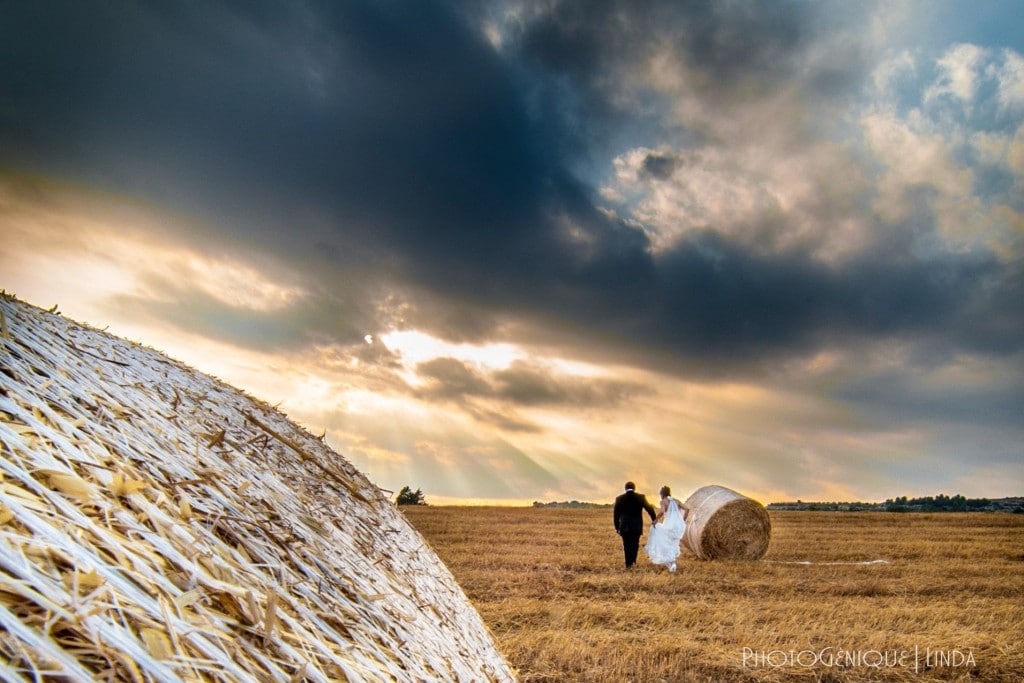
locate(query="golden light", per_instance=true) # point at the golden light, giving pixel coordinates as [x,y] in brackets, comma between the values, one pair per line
[415,347]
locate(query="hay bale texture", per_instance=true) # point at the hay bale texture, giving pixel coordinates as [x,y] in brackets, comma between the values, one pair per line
[159,525]
[726,525]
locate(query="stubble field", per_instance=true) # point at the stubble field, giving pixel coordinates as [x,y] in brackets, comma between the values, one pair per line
[947,603]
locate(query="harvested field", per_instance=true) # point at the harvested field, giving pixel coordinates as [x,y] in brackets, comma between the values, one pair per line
[946,604]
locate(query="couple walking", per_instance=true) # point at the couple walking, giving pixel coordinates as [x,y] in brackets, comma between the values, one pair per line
[667,526]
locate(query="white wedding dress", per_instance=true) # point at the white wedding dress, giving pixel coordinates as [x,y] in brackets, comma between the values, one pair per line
[663,541]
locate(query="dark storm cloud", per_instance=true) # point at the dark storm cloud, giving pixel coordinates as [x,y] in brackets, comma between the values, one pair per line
[453,378]
[528,385]
[994,405]
[521,384]
[747,41]
[395,120]
[393,138]
[661,166]
[335,317]
[711,303]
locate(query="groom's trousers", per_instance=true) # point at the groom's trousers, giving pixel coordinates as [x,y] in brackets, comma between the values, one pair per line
[631,546]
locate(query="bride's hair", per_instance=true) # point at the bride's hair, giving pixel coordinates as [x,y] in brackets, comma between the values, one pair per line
[665,492]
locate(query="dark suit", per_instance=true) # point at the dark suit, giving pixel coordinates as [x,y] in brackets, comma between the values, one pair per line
[629,522]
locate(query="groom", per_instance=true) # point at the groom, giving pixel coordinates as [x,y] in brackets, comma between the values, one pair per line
[629,520]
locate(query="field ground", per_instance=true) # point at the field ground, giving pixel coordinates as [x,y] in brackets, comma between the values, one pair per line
[946,605]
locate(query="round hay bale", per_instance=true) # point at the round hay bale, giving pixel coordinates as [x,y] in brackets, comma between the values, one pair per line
[157,524]
[726,525]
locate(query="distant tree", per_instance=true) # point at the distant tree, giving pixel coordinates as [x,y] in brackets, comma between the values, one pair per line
[409,497]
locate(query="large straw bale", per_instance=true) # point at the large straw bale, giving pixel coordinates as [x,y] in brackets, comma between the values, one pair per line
[726,525]
[159,525]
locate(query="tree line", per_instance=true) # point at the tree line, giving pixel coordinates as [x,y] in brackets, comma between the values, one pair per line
[938,503]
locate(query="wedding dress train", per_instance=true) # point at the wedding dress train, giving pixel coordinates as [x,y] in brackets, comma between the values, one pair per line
[663,541]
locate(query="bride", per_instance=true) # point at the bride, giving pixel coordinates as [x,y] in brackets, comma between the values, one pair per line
[663,541]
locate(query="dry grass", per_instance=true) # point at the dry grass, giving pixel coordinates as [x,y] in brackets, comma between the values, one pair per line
[550,585]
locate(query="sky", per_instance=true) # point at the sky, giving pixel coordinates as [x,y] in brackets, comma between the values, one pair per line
[516,251]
